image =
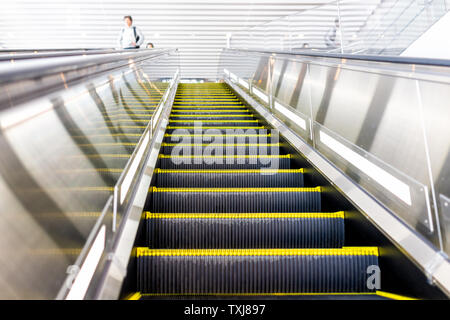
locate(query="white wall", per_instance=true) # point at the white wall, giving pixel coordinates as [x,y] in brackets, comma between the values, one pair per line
[434,43]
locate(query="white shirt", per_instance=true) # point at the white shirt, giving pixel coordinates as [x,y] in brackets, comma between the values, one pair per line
[126,37]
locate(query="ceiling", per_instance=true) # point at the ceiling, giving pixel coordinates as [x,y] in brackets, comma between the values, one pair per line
[198,28]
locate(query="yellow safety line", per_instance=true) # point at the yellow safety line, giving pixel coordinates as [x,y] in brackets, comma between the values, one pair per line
[200,106]
[221,144]
[211,115]
[133,296]
[218,135]
[196,111]
[157,170]
[393,296]
[248,156]
[344,251]
[213,104]
[208,99]
[315,189]
[262,294]
[288,215]
[217,127]
[213,121]
[390,295]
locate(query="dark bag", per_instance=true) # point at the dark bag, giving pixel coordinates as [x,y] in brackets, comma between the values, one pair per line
[136,36]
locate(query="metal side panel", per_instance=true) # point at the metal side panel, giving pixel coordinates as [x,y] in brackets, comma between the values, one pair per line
[119,257]
[430,261]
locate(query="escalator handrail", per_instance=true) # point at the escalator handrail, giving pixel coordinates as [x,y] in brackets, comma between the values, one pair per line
[16,72]
[357,57]
[35,54]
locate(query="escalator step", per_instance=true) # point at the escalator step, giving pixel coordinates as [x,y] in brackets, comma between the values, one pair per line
[188,149]
[229,178]
[213,129]
[225,162]
[209,112]
[234,200]
[260,136]
[202,117]
[244,230]
[227,271]
[215,123]
[207,107]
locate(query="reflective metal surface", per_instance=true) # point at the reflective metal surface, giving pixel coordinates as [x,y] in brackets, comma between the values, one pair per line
[385,27]
[62,155]
[382,124]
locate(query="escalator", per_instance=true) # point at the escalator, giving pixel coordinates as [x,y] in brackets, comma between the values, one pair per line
[230,213]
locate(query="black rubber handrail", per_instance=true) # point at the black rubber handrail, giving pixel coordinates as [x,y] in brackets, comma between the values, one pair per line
[75,62]
[370,58]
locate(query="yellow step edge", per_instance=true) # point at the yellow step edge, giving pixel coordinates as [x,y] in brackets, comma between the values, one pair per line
[216,127]
[197,111]
[211,115]
[249,156]
[221,144]
[217,135]
[213,121]
[134,296]
[262,294]
[378,293]
[287,215]
[207,103]
[314,189]
[344,251]
[158,170]
[393,296]
[200,106]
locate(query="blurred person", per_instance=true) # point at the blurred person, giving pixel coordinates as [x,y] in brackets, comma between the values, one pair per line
[332,38]
[130,37]
[150,45]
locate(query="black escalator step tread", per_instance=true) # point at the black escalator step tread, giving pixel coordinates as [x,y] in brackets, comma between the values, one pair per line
[229,178]
[194,112]
[188,149]
[207,104]
[217,118]
[208,107]
[235,200]
[244,230]
[268,296]
[216,271]
[215,123]
[225,162]
[209,130]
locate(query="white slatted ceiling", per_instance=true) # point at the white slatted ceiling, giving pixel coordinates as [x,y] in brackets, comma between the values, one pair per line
[197,27]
